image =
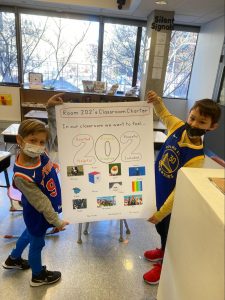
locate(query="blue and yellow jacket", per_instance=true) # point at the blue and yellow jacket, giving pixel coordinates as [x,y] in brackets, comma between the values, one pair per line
[178,151]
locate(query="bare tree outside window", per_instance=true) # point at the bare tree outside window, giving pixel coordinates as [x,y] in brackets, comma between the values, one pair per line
[8,51]
[59,50]
[65,51]
[141,57]
[118,54]
[179,66]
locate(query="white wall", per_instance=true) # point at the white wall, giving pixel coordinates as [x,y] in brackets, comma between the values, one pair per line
[10,112]
[206,61]
[177,107]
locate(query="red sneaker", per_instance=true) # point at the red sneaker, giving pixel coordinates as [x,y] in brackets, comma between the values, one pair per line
[153,276]
[154,255]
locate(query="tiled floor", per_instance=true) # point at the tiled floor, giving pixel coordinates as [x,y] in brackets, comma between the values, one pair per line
[99,268]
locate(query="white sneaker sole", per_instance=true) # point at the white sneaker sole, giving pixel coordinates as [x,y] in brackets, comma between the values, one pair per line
[153,260]
[36,284]
[11,267]
[151,283]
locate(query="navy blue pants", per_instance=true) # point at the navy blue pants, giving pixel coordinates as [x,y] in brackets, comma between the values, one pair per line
[162,229]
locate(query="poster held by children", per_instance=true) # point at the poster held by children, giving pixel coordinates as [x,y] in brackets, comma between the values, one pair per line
[106,156]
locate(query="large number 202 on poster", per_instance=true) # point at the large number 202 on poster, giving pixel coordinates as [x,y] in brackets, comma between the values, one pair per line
[107,148]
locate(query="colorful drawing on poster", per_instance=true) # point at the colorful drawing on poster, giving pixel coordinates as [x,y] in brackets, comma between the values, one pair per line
[76,190]
[75,170]
[136,186]
[136,171]
[106,201]
[114,169]
[5,99]
[130,200]
[79,203]
[94,177]
[115,187]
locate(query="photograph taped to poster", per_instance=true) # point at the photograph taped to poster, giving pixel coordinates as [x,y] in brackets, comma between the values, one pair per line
[106,156]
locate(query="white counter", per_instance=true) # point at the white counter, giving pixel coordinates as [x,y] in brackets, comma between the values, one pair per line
[193,267]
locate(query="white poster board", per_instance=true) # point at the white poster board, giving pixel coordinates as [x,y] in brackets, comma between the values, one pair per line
[106,160]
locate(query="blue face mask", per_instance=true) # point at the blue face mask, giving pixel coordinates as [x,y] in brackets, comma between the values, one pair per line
[193,131]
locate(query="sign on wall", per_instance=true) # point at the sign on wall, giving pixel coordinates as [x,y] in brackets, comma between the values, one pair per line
[5,99]
[10,109]
[106,160]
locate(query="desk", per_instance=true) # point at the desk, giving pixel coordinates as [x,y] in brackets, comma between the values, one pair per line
[159,126]
[37,114]
[9,134]
[4,164]
[193,266]
[159,139]
[209,163]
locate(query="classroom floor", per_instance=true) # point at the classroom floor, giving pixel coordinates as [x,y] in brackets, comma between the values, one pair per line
[100,268]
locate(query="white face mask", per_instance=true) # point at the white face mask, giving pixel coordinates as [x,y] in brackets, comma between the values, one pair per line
[32,150]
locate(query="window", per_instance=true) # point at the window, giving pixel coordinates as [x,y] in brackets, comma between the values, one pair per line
[141,57]
[118,54]
[8,49]
[179,66]
[214,142]
[219,88]
[60,49]
[70,48]
[123,49]
[221,98]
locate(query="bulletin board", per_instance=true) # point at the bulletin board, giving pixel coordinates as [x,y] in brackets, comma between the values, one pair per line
[10,103]
[106,159]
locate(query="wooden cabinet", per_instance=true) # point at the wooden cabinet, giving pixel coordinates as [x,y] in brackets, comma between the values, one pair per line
[36,99]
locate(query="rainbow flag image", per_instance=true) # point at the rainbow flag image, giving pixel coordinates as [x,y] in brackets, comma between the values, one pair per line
[136,186]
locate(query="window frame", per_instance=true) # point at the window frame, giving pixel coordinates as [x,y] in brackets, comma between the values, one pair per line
[220,77]
[100,19]
[14,10]
[185,28]
[97,18]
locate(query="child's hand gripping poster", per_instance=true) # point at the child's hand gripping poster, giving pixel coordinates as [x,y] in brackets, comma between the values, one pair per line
[106,160]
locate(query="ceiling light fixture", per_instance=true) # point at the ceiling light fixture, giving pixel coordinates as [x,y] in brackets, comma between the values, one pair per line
[161,2]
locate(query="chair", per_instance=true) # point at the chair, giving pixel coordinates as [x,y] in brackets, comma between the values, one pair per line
[5,157]
[4,164]
[121,239]
[15,197]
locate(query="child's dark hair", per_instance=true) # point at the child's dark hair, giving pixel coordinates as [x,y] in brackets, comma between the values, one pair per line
[208,108]
[32,126]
